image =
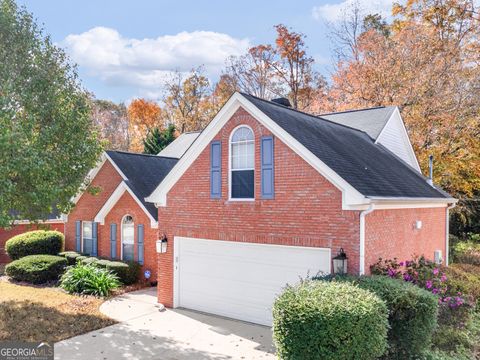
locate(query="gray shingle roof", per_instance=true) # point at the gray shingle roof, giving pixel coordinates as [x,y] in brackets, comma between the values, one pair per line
[144,173]
[370,168]
[180,145]
[372,120]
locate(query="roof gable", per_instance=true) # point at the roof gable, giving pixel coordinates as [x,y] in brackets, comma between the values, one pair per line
[371,121]
[345,156]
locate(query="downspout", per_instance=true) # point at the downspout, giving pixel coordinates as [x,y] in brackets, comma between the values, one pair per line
[447,230]
[362,236]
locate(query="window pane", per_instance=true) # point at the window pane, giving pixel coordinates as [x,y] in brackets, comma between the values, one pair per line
[128,252]
[243,184]
[243,156]
[128,233]
[87,229]
[242,134]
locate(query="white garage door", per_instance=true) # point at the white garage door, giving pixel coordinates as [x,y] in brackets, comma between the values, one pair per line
[240,280]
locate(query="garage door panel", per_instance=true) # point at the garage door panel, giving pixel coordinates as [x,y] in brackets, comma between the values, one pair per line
[240,280]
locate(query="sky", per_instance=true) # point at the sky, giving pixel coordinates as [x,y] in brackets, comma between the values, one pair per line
[127,49]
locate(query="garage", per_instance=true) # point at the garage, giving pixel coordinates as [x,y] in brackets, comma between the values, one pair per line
[237,279]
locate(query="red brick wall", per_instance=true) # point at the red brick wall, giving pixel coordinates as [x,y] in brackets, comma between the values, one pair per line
[392,233]
[306,210]
[88,206]
[6,234]
[128,206]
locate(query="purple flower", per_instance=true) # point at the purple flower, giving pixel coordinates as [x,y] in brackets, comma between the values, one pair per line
[443,278]
[401,263]
[435,291]
[407,277]
[435,271]
[429,284]
[392,273]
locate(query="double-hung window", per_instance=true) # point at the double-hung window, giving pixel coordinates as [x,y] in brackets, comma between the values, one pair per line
[87,237]
[242,164]
[128,236]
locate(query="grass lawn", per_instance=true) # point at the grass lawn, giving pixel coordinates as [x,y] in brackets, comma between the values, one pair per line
[46,314]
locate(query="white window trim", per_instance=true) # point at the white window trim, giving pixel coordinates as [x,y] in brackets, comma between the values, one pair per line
[121,236]
[81,232]
[230,198]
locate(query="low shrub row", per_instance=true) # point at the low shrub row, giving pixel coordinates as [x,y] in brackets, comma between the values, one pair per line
[329,320]
[35,242]
[467,252]
[126,271]
[36,269]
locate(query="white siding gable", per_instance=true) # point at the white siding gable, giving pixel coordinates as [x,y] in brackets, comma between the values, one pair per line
[395,138]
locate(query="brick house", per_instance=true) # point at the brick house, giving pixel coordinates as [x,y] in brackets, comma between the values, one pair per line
[113,220]
[267,194]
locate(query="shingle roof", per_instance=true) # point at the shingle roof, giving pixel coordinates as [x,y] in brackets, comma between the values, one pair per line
[177,148]
[372,120]
[144,173]
[370,168]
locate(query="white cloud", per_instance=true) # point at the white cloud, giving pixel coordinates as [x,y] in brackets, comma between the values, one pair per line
[334,12]
[145,63]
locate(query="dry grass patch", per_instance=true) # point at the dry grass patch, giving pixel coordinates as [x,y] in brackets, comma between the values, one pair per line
[46,314]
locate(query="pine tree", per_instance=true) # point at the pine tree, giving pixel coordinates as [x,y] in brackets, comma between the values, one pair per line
[158,139]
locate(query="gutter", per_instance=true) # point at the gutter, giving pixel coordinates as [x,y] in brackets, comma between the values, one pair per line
[447,231]
[364,213]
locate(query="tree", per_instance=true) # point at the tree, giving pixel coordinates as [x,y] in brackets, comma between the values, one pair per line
[158,139]
[187,101]
[252,72]
[143,116]
[295,68]
[48,142]
[112,122]
[433,75]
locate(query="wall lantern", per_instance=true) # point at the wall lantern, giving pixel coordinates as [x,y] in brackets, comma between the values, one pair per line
[162,245]
[340,263]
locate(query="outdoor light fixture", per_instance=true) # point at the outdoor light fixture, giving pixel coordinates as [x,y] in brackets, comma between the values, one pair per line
[162,245]
[340,263]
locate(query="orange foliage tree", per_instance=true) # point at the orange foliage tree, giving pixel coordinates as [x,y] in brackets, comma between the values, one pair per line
[143,116]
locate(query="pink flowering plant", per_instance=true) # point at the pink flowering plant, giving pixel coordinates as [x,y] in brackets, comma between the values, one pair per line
[454,308]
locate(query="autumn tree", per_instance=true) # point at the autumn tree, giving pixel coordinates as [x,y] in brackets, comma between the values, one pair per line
[158,139]
[143,116]
[112,121]
[48,142]
[428,69]
[187,101]
[253,73]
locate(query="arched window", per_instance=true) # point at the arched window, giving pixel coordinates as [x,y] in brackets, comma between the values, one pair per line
[242,163]
[128,236]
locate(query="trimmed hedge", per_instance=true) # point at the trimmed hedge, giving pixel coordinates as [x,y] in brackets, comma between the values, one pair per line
[36,269]
[35,242]
[329,320]
[412,314]
[126,271]
[71,256]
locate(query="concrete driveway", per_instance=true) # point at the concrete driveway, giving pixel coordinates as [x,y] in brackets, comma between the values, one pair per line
[147,331]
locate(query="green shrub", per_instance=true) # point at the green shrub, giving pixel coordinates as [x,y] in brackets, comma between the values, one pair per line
[80,258]
[467,252]
[127,272]
[88,260]
[71,256]
[36,269]
[35,242]
[103,263]
[412,314]
[464,278]
[88,279]
[329,320]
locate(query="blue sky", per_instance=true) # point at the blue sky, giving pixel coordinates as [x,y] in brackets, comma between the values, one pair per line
[126,49]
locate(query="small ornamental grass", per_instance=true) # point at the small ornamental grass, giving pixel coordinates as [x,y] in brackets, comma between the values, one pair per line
[329,320]
[89,280]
